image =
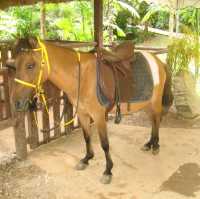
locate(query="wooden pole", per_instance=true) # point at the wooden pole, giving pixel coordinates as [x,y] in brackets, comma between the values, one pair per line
[33,133]
[45,117]
[42,20]
[171,22]
[56,112]
[177,16]
[98,22]
[7,94]
[20,136]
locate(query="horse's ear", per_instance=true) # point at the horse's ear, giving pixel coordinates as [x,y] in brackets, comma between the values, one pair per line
[33,42]
[10,63]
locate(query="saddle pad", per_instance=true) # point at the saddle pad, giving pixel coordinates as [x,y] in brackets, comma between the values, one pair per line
[135,85]
[105,85]
[142,81]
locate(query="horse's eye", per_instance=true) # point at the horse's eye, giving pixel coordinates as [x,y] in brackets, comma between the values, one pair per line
[30,66]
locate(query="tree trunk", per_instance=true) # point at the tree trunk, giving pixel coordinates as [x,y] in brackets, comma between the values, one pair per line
[42,20]
[171,22]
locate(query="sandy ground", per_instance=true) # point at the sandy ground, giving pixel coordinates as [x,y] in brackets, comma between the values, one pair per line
[49,171]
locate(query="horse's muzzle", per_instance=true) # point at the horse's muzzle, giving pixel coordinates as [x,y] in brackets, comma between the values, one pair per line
[22,105]
[26,105]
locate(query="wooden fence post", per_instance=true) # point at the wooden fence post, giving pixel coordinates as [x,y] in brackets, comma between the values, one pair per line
[20,136]
[45,118]
[4,55]
[45,125]
[7,94]
[33,136]
[56,112]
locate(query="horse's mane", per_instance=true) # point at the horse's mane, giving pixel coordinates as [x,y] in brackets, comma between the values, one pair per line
[24,44]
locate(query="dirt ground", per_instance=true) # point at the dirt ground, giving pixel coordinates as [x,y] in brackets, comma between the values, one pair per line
[49,172]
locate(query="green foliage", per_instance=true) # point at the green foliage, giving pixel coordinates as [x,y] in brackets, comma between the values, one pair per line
[7,26]
[179,55]
[157,16]
[189,18]
[117,15]
[182,51]
[122,19]
[27,22]
[19,22]
[143,9]
[72,21]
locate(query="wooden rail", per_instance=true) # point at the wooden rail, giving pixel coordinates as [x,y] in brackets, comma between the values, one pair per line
[72,44]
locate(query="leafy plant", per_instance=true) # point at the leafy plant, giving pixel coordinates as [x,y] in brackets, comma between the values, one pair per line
[157,15]
[75,21]
[27,23]
[182,51]
[179,55]
[111,11]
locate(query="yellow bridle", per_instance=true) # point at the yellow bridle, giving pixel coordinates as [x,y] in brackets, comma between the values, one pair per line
[38,86]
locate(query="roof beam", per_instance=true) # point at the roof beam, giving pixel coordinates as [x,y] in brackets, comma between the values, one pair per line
[8,3]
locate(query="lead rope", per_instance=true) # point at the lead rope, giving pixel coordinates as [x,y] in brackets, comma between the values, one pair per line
[64,109]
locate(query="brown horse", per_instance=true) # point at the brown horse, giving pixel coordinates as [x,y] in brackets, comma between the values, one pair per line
[64,74]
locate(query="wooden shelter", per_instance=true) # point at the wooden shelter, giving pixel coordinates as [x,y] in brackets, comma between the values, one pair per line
[32,138]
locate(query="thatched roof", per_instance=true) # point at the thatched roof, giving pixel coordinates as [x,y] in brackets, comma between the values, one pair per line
[7,3]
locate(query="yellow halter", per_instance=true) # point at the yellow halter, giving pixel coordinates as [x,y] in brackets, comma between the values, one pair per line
[38,86]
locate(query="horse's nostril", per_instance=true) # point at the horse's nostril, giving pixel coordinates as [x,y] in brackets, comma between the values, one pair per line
[17,104]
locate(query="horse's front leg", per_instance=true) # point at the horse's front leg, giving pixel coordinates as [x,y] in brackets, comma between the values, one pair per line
[85,124]
[153,143]
[102,131]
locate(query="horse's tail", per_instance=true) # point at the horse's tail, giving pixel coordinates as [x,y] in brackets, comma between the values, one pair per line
[167,99]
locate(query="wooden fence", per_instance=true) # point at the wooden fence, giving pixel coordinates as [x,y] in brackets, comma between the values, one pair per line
[5,110]
[27,128]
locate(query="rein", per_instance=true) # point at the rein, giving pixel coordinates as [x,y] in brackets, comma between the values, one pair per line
[40,91]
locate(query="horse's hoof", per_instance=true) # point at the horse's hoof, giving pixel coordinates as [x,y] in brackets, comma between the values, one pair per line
[155,151]
[81,166]
[106,179]
[146,147]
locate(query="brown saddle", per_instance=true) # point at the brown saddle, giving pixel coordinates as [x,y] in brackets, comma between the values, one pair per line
[114,74]
[119,53]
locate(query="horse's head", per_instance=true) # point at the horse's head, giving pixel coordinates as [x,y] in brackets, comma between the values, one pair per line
[27,63]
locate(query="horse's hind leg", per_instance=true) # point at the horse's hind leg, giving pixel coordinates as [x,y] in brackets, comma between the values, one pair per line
[85,124]
[153,143]
[102,130]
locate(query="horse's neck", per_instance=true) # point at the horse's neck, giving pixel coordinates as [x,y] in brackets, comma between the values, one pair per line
[64,69]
